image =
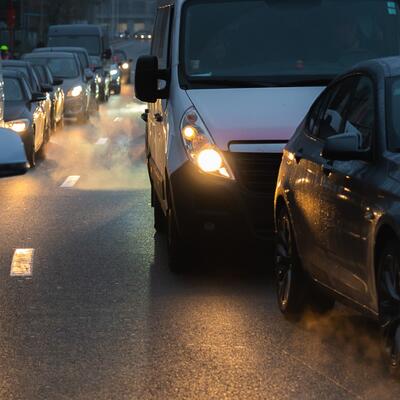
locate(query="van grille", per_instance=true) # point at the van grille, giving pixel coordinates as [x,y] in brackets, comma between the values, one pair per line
[256,172]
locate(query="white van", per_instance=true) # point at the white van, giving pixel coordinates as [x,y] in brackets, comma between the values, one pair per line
[227,83]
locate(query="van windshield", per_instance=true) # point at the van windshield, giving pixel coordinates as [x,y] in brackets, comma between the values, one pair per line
[89,42]
[279,42]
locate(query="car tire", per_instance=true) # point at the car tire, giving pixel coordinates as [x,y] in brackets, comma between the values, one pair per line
[160,223]
[389,302]
[177,250]
[292,283]
[29,145]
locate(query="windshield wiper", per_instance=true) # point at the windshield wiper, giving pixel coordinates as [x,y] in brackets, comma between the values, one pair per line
[309,82]
[234,83]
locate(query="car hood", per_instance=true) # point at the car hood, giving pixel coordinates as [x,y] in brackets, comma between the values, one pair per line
[15,110]
[70,83]
[252,114]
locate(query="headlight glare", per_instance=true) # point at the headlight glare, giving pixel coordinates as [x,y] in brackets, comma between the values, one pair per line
[113,72]
[18,126]
[201,148]
[75,92]
[125,66]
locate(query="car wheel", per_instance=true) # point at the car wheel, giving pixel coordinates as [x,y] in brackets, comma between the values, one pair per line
[292,282]
[389,302]
[30,151]
[159,217]
[177,251]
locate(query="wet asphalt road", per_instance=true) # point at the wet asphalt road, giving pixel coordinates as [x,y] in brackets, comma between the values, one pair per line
[102,318]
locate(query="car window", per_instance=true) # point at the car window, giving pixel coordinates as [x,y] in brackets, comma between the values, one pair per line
[361,114]
[313,116]
[333,117]
[160,46]
[13,90]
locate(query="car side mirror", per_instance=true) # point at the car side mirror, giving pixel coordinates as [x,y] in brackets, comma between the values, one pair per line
[107,54]
[58,82]
[47,88]
[88,74]
[344,147]
[37,96]
[147,76]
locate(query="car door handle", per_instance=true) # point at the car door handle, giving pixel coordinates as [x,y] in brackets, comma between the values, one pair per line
[298,155]
[158,117]
[327,169]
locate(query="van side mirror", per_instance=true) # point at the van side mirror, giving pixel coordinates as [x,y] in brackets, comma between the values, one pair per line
[107,54]
[146,80]
[345,147]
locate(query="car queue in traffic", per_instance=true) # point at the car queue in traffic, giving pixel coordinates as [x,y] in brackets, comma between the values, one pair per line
[226,102]
[52,84]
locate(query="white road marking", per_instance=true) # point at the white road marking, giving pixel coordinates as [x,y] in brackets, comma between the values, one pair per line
[102,141]
[22,263]
[70,181]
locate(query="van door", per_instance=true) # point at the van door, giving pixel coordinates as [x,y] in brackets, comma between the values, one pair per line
[157,119]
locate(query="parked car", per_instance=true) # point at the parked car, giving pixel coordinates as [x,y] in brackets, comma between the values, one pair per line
[84,59]
[232,95]
[95,40]
[337,201]
[125,64]
[34,82]
[24,113]
[53,87]
[66,66]
[116,74]
[142,35]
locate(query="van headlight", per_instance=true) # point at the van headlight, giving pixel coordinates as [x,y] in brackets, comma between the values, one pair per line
[75,92]
[18,126]
[201,148]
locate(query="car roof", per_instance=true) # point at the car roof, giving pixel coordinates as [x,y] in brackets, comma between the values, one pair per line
[58,54]
[9,73]
[74,28]
[62,49]
[386,67]
[16,63]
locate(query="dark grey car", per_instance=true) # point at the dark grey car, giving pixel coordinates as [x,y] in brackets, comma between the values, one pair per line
[337,202]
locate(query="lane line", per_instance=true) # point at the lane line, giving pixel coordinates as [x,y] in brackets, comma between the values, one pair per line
[22,263]
[70,181]
[102,141]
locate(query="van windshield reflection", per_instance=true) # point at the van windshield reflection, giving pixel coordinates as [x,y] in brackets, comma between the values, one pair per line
[284,41]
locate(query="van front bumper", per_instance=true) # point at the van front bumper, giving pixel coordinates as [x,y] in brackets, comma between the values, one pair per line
[221,208]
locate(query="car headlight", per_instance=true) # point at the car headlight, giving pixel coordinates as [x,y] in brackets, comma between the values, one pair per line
[201,148]
[125,66]
[75,92]
[114,72]
[99,79]
[18,126]
[148,36]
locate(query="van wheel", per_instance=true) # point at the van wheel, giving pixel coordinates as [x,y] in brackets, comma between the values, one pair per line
[292,283]
[160,224]
[389,302]
[177,251]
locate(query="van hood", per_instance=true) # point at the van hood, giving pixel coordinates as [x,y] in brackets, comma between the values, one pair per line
[252,114]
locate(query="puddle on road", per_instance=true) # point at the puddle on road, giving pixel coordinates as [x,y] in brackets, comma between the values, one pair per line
[118,164]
